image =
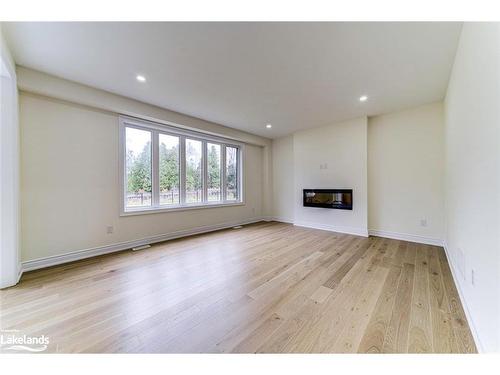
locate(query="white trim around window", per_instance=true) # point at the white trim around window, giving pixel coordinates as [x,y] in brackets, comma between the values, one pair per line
[135,203]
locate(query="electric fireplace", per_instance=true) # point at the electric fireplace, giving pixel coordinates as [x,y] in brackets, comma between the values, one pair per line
[328,198]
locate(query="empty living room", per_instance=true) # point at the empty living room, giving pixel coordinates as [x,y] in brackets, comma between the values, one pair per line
[240,186]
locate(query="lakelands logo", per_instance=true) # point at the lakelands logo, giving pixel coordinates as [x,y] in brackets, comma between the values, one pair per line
[14,340]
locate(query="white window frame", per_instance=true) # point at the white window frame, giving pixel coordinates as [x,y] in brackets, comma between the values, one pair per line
[170,129]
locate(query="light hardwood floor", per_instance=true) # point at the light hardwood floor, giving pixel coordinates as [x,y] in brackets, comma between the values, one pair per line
[268,287]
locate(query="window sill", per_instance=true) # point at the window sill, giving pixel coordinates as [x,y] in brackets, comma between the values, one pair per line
[156,210]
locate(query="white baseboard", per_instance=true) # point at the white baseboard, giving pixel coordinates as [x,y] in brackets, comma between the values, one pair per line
[101,250]
[475,335]
[19,272]
[282,219]
[7,283]
[406,237]
[333,228]
[267,218]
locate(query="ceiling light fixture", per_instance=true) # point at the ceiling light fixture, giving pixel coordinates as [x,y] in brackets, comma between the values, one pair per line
[140,78]
[269,126]
[363,98]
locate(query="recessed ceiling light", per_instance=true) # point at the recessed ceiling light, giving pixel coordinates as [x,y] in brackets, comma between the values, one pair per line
[269,126]
[140,78]
[363,98]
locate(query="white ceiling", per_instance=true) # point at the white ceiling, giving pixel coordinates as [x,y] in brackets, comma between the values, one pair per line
[245,75]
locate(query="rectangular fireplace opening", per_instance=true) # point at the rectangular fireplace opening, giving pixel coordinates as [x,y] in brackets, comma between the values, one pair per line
[328,198]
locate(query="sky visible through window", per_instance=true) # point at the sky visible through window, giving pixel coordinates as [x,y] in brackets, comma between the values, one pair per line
[136,139]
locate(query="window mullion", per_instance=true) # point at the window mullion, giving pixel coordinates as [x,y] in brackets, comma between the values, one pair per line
[223,174]
[239,182]
[204,163]
[241,155]
[155,170]
[220,174]
[182,164]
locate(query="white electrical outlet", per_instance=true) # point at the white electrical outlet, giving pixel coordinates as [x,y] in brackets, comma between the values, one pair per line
[109,229]
[423,222]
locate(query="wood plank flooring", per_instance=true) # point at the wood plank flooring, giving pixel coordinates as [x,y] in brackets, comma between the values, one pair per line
[265,288]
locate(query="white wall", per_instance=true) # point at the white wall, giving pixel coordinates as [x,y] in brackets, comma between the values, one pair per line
[283,179]
[342,148]
[9,170]
[54,87]
[406,174]
[70,185]
[472,185]
[296,165]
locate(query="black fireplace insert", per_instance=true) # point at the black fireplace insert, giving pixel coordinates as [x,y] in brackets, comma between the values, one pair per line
[328,198]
